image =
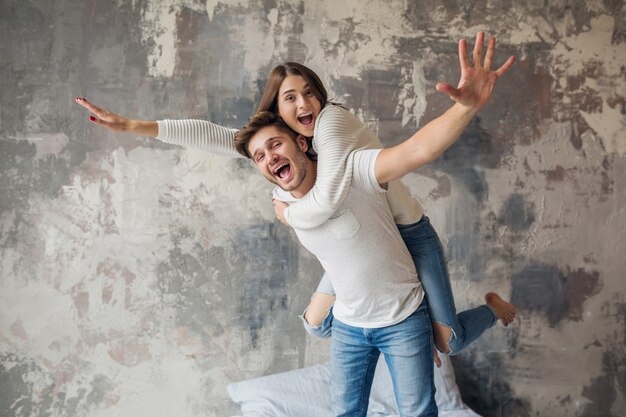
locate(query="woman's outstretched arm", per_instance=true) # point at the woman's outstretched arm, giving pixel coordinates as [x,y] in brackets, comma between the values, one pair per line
[189,133]
[475,89]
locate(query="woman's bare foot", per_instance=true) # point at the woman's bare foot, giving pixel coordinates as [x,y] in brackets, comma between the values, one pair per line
[505,311]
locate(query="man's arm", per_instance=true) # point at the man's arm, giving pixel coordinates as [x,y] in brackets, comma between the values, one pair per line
[428,143]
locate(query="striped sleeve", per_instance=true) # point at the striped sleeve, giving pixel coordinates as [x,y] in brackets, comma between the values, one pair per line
[199,134]
[334,139]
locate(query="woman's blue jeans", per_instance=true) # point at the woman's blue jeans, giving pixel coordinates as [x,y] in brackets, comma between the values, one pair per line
[407,348]
[427,252]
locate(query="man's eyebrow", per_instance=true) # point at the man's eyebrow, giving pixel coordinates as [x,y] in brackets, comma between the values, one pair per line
[264,143]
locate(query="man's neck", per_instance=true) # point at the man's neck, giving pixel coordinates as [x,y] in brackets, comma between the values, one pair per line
[308,182]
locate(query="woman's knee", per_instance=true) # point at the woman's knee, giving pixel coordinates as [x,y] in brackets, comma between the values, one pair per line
[317,317]
[318,308]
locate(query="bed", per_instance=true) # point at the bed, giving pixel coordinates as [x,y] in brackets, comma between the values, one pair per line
[306,393]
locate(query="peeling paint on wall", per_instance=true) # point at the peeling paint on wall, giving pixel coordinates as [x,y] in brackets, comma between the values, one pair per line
[140,279]
[552,293]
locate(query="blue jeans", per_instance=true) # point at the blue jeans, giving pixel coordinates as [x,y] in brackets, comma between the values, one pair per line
[427,252]
[407,347]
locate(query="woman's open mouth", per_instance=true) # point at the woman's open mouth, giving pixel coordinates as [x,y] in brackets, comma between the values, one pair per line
[306,119]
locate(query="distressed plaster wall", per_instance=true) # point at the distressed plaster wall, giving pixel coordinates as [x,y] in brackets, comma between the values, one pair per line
[139,278]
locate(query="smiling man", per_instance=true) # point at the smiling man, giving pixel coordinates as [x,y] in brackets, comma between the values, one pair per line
[380,303]
[274,153]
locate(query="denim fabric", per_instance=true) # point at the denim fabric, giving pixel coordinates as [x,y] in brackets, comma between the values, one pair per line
[425,247]
[407,348]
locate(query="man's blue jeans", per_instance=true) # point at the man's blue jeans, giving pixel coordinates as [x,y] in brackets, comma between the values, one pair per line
[407,348]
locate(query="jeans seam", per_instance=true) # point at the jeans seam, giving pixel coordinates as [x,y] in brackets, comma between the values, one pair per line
[364,403]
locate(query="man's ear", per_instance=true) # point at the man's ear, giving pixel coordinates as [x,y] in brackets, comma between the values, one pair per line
[303,143]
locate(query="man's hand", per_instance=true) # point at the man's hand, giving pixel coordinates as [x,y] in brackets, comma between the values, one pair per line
[477,79]
[279,210]
[118,123]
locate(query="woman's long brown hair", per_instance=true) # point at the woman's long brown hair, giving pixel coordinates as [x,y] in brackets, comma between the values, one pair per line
[269,99]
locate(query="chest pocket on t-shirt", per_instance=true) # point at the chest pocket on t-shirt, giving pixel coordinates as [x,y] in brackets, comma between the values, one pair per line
[344,226]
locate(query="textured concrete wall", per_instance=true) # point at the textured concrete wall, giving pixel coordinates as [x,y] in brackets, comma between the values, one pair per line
[138,279]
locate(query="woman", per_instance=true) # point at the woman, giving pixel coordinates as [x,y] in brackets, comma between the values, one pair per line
[297,94]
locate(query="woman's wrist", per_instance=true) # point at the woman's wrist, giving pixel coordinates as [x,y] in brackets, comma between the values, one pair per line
[144,128]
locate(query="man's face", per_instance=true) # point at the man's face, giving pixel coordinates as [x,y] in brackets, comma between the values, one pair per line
[281,159]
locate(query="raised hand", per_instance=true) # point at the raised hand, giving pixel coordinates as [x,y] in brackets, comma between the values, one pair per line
[477,79]
[118,123]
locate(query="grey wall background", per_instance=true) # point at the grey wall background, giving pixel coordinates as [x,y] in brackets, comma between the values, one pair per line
[139,278]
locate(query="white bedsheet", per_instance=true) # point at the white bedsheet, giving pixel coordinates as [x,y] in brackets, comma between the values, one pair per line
[306,393]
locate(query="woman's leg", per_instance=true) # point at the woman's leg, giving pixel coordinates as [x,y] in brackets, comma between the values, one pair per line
[317,318]
[452,332]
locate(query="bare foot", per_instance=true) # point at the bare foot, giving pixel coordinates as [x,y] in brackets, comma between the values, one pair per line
[505,311]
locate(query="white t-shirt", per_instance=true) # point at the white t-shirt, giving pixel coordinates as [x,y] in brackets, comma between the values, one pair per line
[363,253]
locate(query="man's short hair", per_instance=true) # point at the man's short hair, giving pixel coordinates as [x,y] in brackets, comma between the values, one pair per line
[255,124]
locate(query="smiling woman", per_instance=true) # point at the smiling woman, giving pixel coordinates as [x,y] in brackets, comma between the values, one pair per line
[298,104]
[295,92]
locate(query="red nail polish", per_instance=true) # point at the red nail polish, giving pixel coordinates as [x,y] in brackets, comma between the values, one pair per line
[93,119]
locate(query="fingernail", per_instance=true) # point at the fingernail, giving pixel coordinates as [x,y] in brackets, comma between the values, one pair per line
[93,119]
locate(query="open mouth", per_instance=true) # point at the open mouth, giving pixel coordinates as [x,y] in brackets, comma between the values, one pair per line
[283,171]
[306,119]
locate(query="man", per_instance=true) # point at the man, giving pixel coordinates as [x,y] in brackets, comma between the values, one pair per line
[379,305]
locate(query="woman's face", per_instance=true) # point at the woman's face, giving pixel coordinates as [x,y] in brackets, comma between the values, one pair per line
[297,105]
